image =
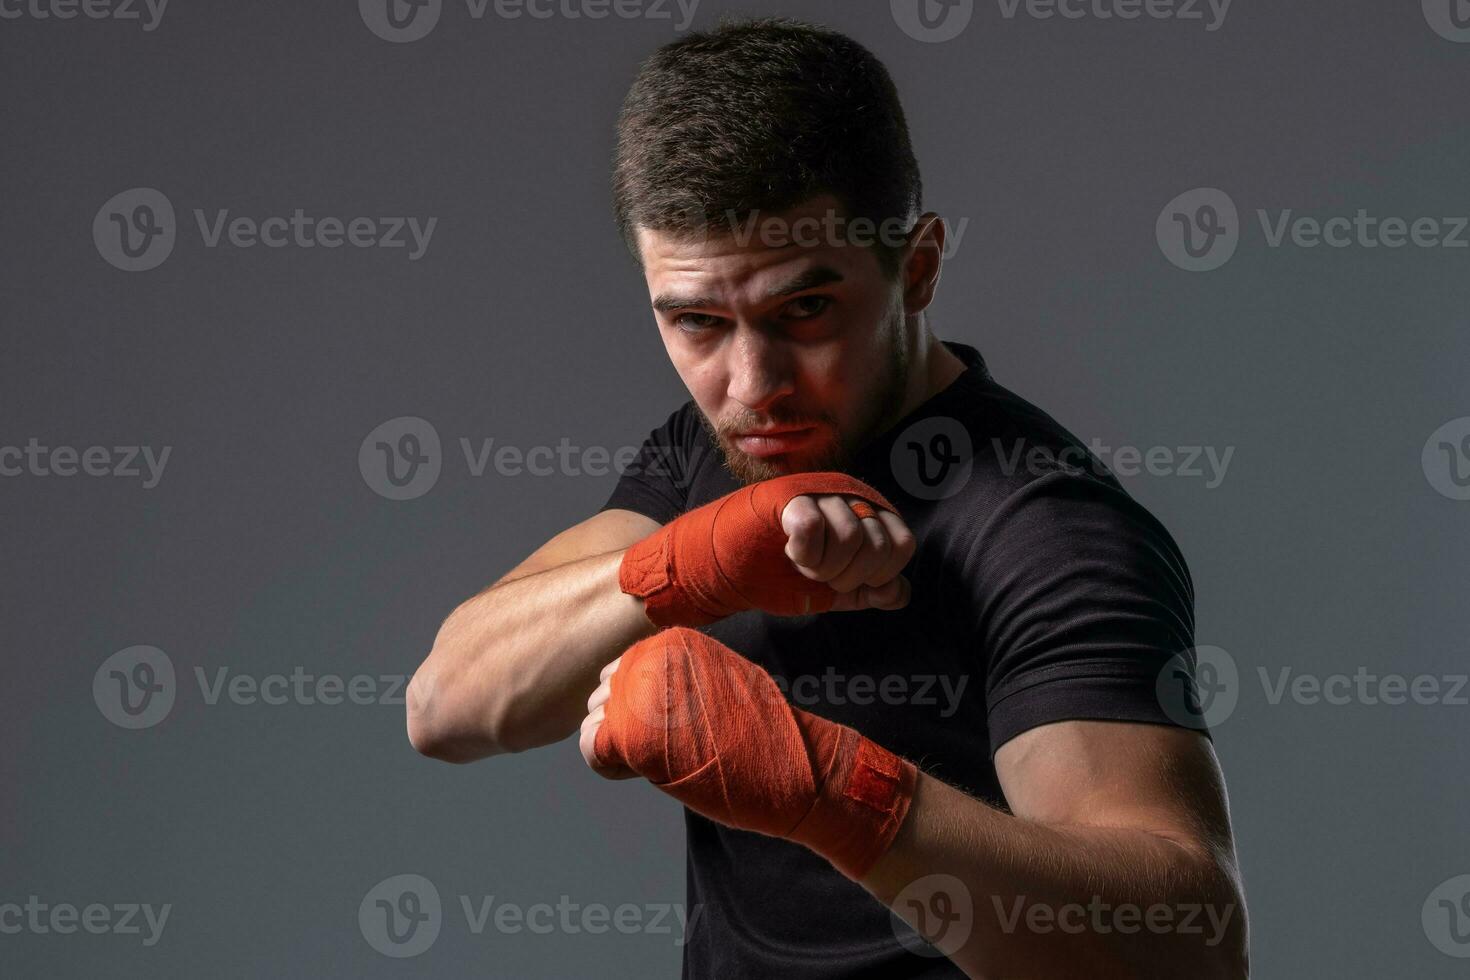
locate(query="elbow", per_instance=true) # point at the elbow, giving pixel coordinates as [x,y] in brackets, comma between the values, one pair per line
[1234,952]
[433,730]
[1227,927]
[1229,961]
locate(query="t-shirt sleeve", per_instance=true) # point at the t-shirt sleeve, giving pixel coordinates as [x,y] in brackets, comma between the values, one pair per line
[656,482]
[1082,602]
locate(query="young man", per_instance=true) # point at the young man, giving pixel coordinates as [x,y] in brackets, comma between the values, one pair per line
[886,629]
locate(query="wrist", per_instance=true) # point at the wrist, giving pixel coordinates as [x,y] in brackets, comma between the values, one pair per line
[863,797]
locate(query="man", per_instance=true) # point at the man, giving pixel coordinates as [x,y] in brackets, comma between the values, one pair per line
[846,498]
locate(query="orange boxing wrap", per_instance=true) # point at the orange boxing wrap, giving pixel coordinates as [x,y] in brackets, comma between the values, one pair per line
[712,730]
[729,555]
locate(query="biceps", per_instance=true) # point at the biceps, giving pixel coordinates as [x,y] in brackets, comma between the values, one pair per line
[1121,775]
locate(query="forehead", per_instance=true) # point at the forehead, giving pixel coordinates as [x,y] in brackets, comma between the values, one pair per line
[766,251]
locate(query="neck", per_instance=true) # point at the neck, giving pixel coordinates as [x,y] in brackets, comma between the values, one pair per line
[932,368]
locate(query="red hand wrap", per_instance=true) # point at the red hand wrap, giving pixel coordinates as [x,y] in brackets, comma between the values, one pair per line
[712,730]
[729,555]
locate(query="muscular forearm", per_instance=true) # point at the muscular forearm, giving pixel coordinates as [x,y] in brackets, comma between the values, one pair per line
[511,668]
[1059,901]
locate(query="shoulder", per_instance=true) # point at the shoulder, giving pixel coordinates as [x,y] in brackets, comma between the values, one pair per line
[1006,477]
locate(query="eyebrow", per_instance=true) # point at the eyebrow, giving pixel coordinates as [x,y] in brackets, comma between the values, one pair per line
[821,275]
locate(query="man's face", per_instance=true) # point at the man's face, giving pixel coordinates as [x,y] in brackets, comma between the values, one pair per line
[805,338]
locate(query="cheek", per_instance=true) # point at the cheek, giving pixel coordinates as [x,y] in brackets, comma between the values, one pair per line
[706,384]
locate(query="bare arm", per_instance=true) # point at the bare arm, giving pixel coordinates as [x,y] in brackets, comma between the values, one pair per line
[1117,862]
[510,668]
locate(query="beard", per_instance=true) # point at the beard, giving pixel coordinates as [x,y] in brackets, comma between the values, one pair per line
[836,453]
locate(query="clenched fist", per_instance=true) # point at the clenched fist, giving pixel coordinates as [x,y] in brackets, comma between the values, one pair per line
[799,544]
[711,729]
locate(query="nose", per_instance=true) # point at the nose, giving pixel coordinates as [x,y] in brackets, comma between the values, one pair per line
[760,369]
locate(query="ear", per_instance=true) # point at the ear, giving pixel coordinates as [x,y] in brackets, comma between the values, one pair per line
[923,258]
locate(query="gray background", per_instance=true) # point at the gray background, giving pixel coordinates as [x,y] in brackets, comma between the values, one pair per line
[264,549]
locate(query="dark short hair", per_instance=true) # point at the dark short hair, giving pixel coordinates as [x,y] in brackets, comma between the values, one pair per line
[758,116]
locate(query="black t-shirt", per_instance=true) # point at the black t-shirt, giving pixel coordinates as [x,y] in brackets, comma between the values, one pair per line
[1041,592]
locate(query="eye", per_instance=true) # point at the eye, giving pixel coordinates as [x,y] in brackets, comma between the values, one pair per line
[807,307]
[695,322]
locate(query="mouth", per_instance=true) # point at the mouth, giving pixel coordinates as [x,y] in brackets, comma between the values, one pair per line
[773,442]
